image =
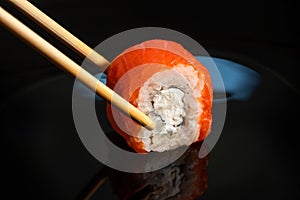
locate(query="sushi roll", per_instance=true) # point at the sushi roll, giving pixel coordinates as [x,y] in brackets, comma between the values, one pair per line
[167,83]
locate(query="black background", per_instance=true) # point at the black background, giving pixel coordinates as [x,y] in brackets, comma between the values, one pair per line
[261,30]
[256,155]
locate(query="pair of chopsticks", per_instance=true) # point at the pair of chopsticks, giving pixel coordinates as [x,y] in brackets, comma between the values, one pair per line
[61,60]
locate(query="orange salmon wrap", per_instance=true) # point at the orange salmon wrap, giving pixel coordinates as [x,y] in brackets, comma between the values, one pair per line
[168,84]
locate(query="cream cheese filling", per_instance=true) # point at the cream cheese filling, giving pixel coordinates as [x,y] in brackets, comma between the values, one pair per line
[168,104]
[170,98]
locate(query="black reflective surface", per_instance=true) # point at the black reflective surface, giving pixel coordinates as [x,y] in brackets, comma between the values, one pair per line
[256,156]
[187,178]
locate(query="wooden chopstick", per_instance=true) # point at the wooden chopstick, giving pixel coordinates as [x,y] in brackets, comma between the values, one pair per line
[60,33]
[53,54]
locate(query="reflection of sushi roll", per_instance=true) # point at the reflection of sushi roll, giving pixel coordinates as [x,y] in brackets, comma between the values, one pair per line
[171,86]
[185,179]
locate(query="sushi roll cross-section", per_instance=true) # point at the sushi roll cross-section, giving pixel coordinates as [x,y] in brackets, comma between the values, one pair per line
[167,83]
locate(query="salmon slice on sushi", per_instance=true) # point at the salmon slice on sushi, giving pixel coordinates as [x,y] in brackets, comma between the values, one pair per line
[167,83]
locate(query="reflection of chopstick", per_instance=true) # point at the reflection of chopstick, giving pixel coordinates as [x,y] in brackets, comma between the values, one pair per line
[70,66]
[59,32]
[94,184]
